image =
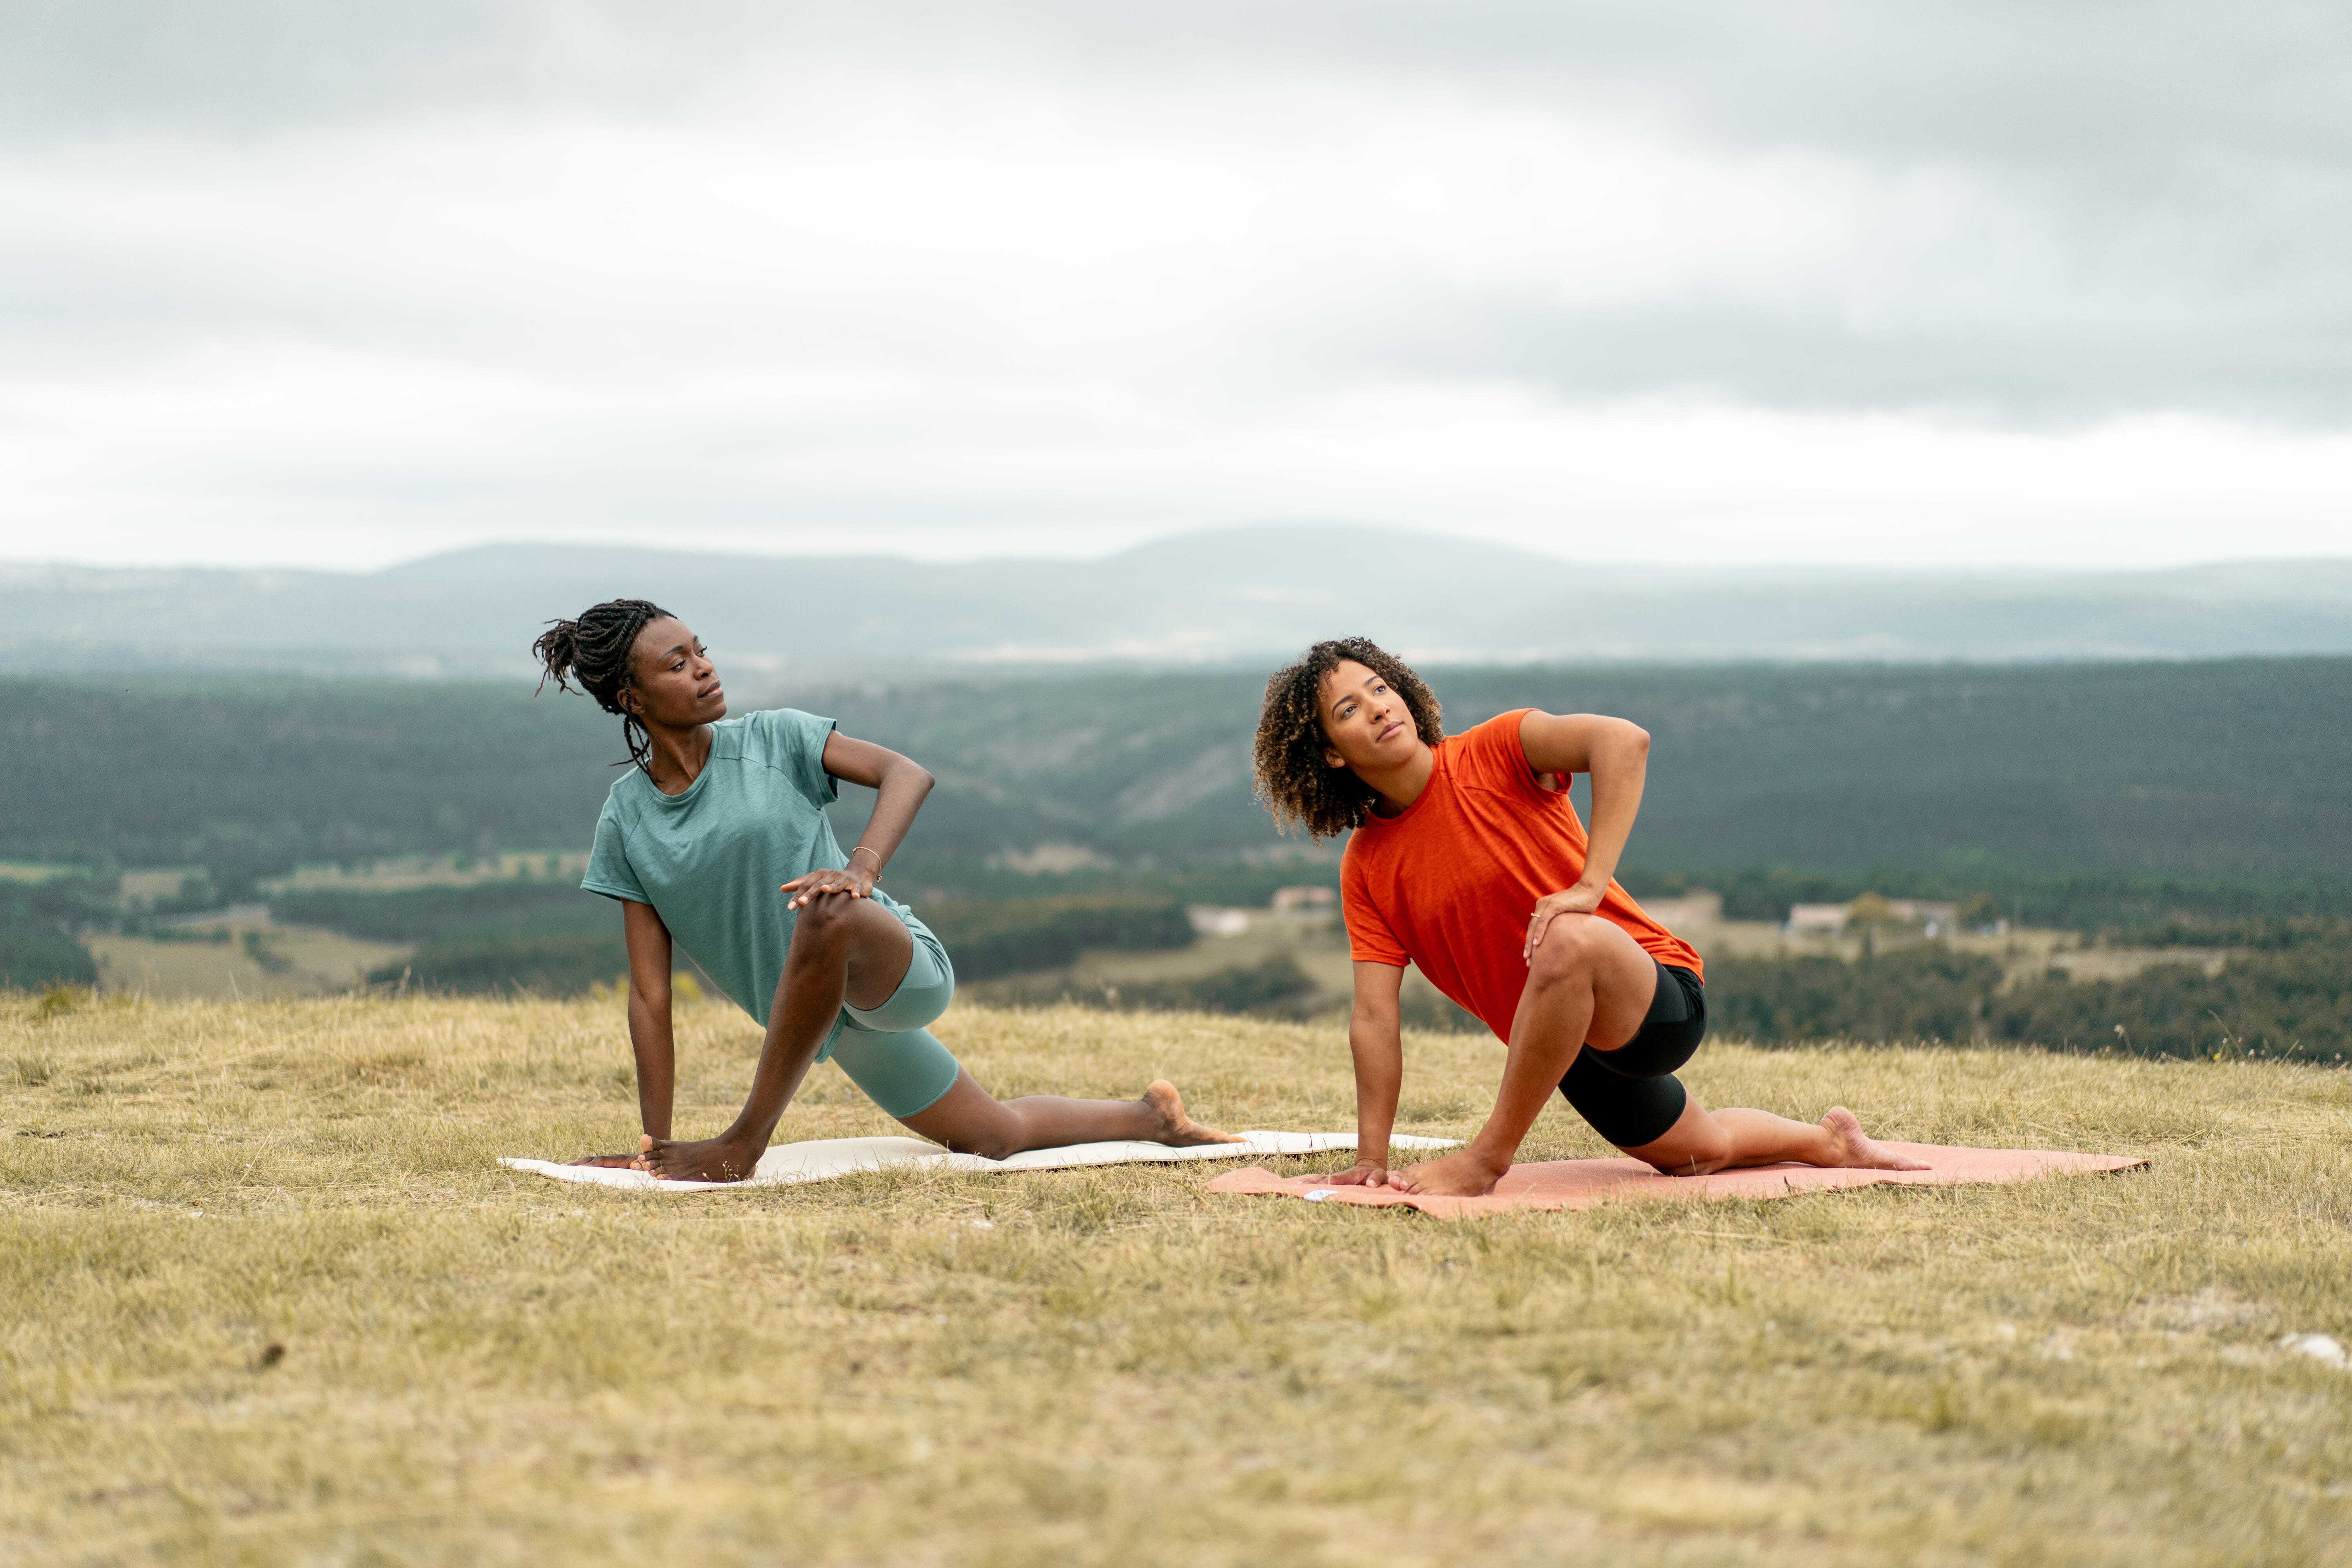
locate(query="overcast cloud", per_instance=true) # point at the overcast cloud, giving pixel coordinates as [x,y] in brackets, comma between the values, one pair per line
[343,284]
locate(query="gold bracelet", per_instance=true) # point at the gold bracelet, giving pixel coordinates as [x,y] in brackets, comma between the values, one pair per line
[870,850]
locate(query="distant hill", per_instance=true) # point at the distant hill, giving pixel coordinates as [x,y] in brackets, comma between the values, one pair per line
[2230,768]
[1235,598]
[2234,768]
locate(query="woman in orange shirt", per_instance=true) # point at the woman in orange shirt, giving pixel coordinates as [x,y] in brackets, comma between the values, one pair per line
[1467,859]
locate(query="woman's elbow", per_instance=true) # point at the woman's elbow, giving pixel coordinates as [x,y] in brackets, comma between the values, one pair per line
[1637,740]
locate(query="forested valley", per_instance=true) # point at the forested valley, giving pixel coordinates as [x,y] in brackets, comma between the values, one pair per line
[2160,805]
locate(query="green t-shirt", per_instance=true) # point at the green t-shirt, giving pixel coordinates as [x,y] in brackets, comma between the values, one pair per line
[709,860]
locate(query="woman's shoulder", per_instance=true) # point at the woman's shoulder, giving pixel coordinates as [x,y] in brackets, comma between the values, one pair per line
[772,721]
[1490,752]
[780,736]
[1503,729]
[624,801]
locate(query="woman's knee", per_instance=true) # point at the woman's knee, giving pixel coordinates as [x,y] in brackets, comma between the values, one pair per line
[832,921]
[1695,1146]
[821,917]
[971,1120]
[1569,947]
[993,1145]
[992,1133]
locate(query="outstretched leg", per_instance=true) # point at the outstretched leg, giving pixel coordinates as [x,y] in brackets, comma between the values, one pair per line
[842,948]
[968,1120]
[1701,1142]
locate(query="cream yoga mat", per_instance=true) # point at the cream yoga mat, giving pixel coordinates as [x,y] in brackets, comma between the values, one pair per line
[823,1159]
[1581,1184]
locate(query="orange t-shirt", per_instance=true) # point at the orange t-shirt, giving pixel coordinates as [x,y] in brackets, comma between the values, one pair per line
[1449,884]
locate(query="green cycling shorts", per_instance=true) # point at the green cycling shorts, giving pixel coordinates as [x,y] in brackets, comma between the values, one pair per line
[888,1051]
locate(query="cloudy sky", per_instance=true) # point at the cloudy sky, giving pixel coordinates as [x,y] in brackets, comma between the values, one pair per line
[1925,283]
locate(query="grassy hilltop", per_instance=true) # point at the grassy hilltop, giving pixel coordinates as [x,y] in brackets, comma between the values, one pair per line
[1113,1366]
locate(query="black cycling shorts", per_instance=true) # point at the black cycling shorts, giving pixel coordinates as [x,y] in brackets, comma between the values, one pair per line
[1631,1095]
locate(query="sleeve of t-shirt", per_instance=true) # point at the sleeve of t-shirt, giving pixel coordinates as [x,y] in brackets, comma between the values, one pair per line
[1370,941]
[609,871]
[1495,757]
[795,744]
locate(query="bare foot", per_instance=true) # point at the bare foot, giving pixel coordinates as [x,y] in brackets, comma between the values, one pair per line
[710,1160]
[1171,1125]
[1461,1175]
[1852,1150]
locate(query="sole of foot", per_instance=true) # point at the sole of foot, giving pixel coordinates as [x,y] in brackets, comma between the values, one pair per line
[1859,1152]
[1173,1127]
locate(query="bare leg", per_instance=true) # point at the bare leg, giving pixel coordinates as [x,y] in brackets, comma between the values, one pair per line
[1592,983]
[1702,1140]
[1587,980]
[842,948]
[966,1118]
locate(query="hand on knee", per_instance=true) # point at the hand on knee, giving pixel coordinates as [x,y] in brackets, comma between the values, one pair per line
[824,922]
[1569,946]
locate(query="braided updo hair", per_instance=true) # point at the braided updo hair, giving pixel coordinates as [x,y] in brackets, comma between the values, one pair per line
[597,650]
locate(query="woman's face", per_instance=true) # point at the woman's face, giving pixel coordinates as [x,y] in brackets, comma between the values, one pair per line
[1366,724]
[677,686]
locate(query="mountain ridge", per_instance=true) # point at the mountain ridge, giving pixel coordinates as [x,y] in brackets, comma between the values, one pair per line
[1226,598]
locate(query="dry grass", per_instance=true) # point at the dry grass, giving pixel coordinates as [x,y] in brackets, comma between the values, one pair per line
[1113,1366]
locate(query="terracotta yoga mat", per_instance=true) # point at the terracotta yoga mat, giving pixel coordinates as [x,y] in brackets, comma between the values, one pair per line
[1581,1184]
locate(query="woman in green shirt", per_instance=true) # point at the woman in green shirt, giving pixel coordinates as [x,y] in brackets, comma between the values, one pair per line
[716,841]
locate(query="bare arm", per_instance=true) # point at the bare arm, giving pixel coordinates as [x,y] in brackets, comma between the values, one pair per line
[1616,752]
[1376,1041]
[899,785]
[649,1020]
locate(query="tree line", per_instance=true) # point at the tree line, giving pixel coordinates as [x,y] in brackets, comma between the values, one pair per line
[2293,1000]
[2098,768]
[560,941]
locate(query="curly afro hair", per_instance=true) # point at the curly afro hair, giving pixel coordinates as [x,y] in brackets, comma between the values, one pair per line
[1293,782]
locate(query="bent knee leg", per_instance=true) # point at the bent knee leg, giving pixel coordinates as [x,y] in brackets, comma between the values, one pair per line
[1571,949]
[834,922]
[996,1145]
[1693,1146]
[824,919]
[969,1119]
[1630,1113]
[992,1134]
